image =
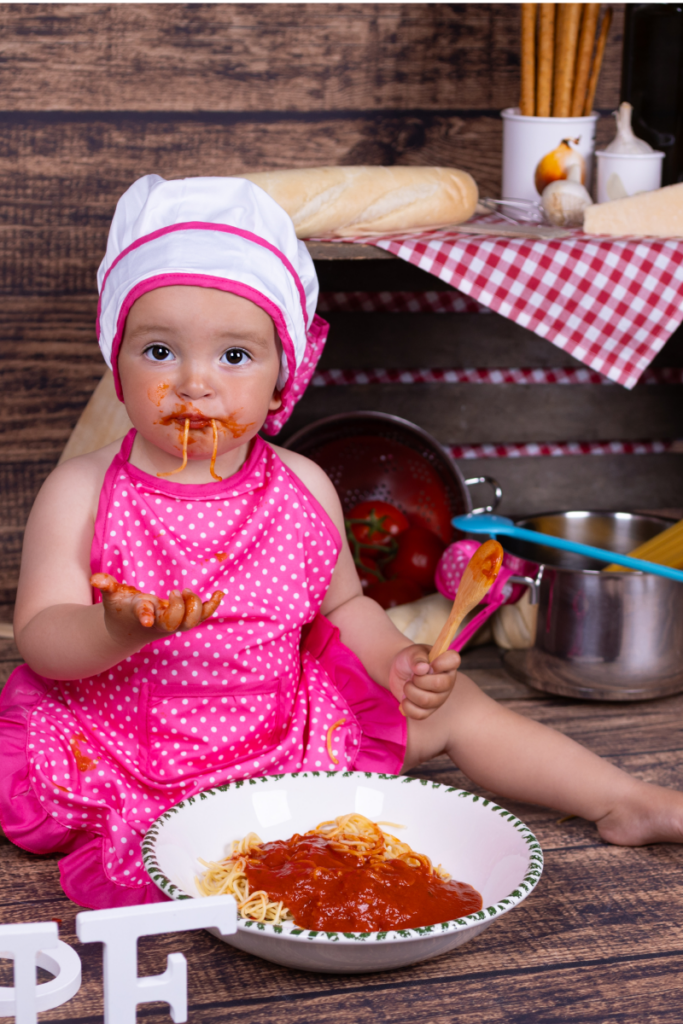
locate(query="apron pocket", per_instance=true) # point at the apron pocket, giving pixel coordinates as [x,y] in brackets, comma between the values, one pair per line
[192,734]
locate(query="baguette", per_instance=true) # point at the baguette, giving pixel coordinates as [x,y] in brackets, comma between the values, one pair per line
[658,214]
[347,201]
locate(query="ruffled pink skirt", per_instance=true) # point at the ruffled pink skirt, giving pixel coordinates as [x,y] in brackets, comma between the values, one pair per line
[27,824]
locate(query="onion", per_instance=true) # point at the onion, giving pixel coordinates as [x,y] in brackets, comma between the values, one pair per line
[562,162]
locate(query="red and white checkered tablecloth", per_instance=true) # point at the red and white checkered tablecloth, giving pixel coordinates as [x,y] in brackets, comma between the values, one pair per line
[398,302]
[612,303]
[486,375]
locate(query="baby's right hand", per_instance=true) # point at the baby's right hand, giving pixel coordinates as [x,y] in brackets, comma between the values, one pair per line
[126,608]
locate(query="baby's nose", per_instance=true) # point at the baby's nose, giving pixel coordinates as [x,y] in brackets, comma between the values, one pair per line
[194,387]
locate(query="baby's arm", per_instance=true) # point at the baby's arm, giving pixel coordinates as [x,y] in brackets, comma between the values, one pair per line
[387,655]
[59,631]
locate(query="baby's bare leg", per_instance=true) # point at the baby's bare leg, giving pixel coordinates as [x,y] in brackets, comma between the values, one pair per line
[520,759]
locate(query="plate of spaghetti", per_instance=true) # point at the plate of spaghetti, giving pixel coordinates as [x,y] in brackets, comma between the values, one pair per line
[346,871]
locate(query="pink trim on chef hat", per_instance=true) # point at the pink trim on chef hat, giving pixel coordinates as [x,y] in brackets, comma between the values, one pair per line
[224,233]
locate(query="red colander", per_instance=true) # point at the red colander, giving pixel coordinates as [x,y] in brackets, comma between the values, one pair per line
[375,456]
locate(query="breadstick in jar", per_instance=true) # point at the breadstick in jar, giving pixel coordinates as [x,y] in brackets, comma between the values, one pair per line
[597,61]
[527,104]
[568,36]
[589,23]
[546,38]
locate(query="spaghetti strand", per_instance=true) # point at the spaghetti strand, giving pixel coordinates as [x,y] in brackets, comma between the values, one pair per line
[333,759]
[214,452]
[186,434]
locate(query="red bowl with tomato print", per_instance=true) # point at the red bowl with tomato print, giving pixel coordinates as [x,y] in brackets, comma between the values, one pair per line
[399,490]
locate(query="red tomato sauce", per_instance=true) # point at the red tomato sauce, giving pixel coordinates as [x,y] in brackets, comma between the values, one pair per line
[329,890]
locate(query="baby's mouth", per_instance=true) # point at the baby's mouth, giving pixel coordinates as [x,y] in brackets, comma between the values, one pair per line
[197,422]
[188,422]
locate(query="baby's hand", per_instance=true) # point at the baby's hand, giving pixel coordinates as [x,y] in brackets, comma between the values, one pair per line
[126,608]
[420,687]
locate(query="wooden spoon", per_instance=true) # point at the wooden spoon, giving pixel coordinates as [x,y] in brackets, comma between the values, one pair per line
[479,576]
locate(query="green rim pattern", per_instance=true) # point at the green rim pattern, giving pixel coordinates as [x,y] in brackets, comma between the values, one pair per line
[290,930]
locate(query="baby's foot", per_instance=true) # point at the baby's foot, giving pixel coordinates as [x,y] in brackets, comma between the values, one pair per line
[647,814]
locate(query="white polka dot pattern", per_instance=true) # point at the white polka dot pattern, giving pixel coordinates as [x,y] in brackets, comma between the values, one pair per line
[227,700]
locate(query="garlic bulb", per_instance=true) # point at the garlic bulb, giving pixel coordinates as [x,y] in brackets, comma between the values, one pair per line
[625,141]
[564,203]
[562,162]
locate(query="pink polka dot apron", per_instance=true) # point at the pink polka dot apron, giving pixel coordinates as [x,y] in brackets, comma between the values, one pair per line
[265,686]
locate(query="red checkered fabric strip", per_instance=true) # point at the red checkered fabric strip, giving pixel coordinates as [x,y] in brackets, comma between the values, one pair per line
[398,302]
[662,375]
[609,302]
[485,375]
[518,451]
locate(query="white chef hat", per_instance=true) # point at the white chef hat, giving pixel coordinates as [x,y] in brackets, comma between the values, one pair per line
[224,233]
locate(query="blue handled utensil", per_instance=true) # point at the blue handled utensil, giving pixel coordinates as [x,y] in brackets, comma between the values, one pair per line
[500,526]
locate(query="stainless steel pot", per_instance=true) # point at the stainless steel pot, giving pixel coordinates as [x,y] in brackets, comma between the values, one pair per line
[600,635]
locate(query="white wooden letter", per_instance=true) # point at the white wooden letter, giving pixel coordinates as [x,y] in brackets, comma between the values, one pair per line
[31,945]
[120,928]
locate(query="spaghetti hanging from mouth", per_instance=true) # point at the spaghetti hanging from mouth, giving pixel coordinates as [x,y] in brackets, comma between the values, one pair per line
[186,434]
[214,453]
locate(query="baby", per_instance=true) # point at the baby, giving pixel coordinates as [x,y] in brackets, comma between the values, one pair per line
[188,607]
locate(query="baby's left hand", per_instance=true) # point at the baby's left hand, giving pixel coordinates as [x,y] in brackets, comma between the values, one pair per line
[420,687]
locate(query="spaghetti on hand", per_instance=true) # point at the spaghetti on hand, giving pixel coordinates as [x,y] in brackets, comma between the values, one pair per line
[344,875]
[181,610]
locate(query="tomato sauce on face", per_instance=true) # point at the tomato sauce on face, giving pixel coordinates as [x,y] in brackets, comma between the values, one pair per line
[331,890]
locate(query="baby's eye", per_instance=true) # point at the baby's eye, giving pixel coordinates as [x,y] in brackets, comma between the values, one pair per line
[236,357]
[158,353]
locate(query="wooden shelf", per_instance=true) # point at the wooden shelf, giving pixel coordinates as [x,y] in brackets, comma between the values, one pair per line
[347,251]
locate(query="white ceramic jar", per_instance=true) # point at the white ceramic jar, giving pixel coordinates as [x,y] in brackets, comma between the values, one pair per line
[527,139]
[624,174]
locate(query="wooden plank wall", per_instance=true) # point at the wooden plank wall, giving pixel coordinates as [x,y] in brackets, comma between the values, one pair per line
[93,96]
[477,414]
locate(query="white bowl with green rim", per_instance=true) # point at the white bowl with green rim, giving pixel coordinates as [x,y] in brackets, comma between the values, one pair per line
[474,839]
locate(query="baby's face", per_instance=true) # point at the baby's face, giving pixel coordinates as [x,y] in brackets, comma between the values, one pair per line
[198,354]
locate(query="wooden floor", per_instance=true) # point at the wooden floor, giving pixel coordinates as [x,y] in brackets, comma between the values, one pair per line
[601,939]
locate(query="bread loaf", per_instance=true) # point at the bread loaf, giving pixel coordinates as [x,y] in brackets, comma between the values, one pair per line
[343,201]
[658,213]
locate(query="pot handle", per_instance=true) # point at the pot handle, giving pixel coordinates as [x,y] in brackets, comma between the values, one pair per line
[495,486]
[534,585]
